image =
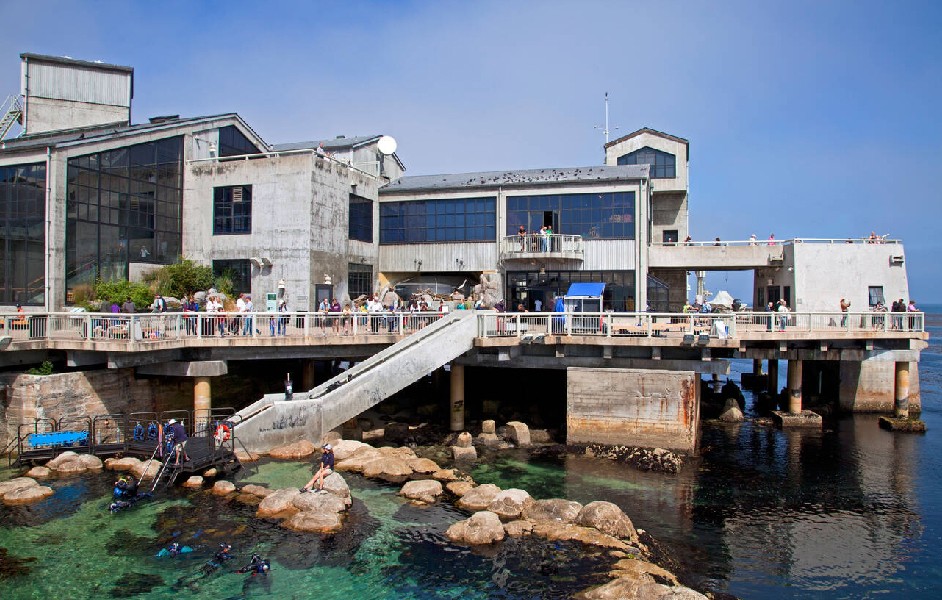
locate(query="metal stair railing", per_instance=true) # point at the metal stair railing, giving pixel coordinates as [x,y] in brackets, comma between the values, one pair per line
[12,111]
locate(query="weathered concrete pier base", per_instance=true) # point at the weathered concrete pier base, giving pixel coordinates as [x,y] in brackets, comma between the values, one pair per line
[901,420]
[636,407]
[457,397]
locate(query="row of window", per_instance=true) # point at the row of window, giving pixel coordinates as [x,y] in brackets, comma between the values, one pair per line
[239,272]
[22,234]
[459,219]
[123,205]
[663,164]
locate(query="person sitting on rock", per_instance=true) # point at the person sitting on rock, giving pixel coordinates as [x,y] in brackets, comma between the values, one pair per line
[327,467]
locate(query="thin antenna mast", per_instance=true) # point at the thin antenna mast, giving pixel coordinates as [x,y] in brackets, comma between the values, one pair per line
[605,129]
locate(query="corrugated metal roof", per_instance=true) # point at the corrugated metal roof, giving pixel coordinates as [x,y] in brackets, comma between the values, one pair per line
[522,178]
[65,60]
[332,145]
[99,133]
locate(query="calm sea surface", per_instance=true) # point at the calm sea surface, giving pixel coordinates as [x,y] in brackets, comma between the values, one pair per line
[849,512]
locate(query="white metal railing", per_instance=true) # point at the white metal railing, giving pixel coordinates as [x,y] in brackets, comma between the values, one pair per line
[535,243]
[149,328]
[141,330]
[784,242]
[715,325]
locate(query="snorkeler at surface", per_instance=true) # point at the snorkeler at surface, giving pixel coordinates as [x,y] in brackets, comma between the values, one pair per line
[174,549]
[210,568]
[258,566]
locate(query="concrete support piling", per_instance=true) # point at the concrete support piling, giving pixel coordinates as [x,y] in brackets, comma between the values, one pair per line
[773,377]
[202,402]
[307,375]
[457,397]
[901,404]
[794,386]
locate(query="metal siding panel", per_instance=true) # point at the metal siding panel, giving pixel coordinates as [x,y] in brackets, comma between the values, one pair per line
[477,256]
[609,255]
[79,85]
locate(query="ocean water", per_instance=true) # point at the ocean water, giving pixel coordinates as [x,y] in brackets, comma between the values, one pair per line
[848,512]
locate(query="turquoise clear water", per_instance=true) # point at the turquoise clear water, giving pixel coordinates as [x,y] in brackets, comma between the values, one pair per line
[848,512]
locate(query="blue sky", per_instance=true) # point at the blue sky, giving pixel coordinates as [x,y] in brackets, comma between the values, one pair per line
[809,119]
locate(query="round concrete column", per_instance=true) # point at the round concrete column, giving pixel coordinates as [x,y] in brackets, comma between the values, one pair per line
[457,397]
[773,378]
[794,387]
[307,375]
[202,402]
[901,407]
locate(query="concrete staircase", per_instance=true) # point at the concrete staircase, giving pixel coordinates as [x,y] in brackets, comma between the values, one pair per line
[272,421]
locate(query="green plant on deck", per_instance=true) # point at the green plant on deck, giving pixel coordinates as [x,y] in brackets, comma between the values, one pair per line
[43,369]
[120,290]
[180,278]
[225,282]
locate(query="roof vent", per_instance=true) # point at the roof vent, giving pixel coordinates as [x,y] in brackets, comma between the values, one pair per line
[164,118]
[340,137]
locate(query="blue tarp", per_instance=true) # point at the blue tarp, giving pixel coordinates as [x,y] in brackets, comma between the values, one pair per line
[592,290]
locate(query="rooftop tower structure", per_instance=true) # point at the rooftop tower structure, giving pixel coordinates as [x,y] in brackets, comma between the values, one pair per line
[60,93]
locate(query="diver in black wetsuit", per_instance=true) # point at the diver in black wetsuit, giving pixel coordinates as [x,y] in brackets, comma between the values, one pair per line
[210,568]
[260,569]
[125,493]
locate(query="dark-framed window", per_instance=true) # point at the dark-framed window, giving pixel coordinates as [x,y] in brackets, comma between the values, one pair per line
[359,280]
[663,164]
[361,219]
[232,210]
[875,295]
[670,236]
[123,205]
[239,270]
[523,287]
[609,215]
[22,234]
[233,143]
[452,220]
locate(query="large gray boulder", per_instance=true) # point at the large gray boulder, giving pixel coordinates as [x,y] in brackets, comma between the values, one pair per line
[553,509]
[23,490]
[425,491]
[607,518]
[223,488]
[479,498]
[423,466]
[279,504]
[509,504]
[481,528]
[387,468]
[318,502]
[295,451]
[314,522]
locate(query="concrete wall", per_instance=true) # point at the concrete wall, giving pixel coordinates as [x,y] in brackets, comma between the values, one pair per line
[869,386]
[665,144]
[653,409]
[44,114]
[70,395]
[300,218]
[825,273]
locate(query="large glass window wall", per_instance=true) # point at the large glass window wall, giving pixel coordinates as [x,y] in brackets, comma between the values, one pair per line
[123,206]
[606,216]
[663,164]
[452,220]
[22,234]
[536,290]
